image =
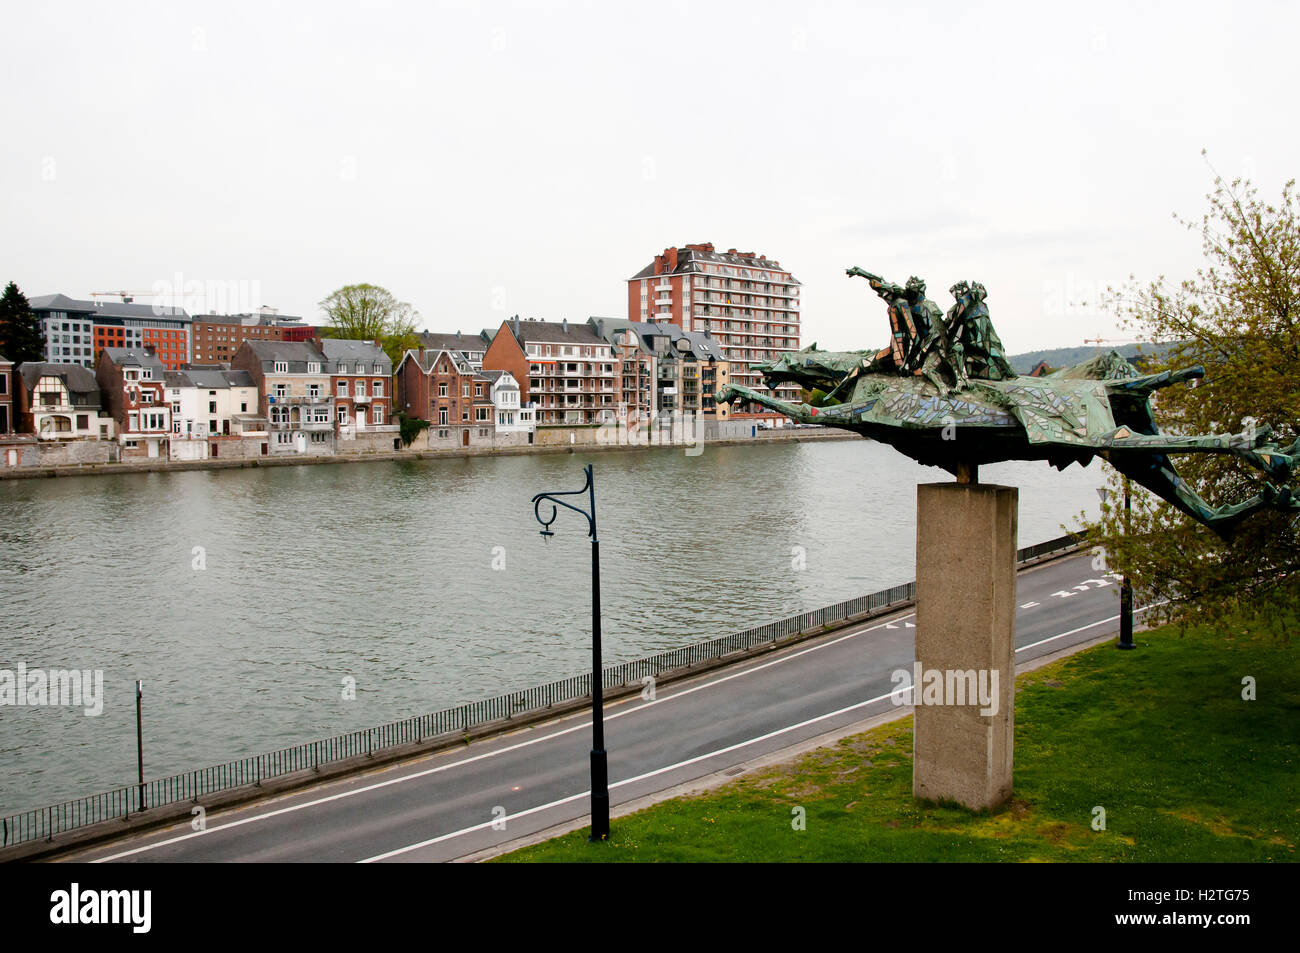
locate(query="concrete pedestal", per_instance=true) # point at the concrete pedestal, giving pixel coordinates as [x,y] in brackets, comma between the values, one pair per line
[965,632]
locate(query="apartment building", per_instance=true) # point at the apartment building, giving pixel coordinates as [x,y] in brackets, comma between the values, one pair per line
[132,383]
[216,337]
[361,378]
[566,370]
[746,301]
[666,369]
[76,331]
[294,394]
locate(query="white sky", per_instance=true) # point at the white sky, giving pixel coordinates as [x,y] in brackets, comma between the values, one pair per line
[482,159]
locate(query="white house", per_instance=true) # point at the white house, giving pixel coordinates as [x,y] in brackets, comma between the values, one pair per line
[207,403]
[515,423]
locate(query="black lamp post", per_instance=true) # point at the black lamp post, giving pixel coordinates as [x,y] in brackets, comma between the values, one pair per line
[599,764]
[1126,589]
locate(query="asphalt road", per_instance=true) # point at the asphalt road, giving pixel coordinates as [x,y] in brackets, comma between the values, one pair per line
[455,803]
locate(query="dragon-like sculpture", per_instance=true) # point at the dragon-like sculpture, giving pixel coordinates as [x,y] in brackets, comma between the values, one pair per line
[943,393]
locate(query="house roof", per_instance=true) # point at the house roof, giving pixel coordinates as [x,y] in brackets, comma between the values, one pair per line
[690,261]
[135,357]
[452,342]
[115,309]
[209,378]
[553,332]
[78,379]
[342,349]
[301,352]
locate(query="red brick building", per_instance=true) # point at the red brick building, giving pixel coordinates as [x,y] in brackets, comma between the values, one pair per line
[133,384]
[567,370]
[748,302]
[443,388]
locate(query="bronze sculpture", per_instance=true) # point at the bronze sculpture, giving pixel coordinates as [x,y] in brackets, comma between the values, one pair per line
[943,393]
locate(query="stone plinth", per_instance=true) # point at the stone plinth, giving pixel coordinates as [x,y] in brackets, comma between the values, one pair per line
[965,630]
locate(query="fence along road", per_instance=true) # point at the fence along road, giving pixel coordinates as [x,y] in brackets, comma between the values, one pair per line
[174,797]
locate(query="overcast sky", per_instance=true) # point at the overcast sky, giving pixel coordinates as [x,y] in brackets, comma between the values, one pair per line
[483,159]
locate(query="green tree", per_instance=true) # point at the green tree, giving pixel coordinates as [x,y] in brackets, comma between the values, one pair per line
[1238,318]
[21,336]
[370,313]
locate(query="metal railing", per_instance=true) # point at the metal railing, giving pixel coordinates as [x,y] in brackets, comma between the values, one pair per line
[45,822]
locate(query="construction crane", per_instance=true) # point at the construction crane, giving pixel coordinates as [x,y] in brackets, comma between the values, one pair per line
[126,296]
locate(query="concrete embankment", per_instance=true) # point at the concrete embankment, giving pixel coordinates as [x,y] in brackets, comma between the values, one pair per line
[169,466]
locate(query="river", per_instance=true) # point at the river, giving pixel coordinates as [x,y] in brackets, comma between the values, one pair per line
[243,599]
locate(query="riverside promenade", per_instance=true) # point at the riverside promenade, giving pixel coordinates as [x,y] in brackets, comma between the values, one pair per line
[781,435]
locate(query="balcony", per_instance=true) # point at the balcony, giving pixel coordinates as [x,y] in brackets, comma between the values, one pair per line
[291,400]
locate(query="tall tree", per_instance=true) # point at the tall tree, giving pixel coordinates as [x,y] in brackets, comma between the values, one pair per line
[1239,317]
[370,313]
[21,337]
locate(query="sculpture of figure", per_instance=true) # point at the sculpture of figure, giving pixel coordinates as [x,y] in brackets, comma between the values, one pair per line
[902,327]
[971,329]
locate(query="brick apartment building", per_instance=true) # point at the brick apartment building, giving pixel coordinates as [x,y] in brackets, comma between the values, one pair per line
[748,302]
[133,383]
[361,378]
[567,370]
[217,337]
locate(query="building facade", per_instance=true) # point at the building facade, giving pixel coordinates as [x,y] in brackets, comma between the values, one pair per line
[361,377]
[133,383]
[215,338]
[294,395]
[77,331]
[747,302]
[6,395]
[60,402]
[565,370]
[443,388]
[666,369]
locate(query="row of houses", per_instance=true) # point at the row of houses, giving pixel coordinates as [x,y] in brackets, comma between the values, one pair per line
[323,396]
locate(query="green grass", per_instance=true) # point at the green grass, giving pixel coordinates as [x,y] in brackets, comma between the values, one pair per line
[1160,737]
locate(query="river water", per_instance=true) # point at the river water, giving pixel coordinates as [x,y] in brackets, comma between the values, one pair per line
[425,581]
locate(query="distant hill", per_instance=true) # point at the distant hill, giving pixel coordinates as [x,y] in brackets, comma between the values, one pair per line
[1057,357]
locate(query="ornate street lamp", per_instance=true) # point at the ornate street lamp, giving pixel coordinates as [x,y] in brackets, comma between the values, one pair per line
[599,764]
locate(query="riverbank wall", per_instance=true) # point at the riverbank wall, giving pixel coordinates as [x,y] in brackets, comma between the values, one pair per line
[556,440]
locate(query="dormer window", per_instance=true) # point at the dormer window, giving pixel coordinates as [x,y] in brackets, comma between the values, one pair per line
[282,367]
[313,367]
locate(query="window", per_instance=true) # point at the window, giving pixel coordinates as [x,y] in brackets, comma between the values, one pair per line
[378,414]
[343,389]
[243,407]
[212,426]
[464,414]
[442,390]
[464,389]
[212,406]
[483,413]
[313,367]
[282,367]
[313,390]
[478,390]
[376,388]
[444,434]
[442,415]
[482,432]
[361,388]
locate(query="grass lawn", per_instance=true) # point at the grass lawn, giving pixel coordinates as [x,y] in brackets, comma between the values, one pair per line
[1161,738]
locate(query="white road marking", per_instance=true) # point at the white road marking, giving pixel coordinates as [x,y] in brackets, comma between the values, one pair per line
[617,784]
[1029,605]
[488,754]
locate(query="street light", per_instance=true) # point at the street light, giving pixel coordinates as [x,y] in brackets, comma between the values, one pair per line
[1126,589]
[1126,585]
[599,764]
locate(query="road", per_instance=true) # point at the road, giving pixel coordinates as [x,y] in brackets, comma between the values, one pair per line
[455,803]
